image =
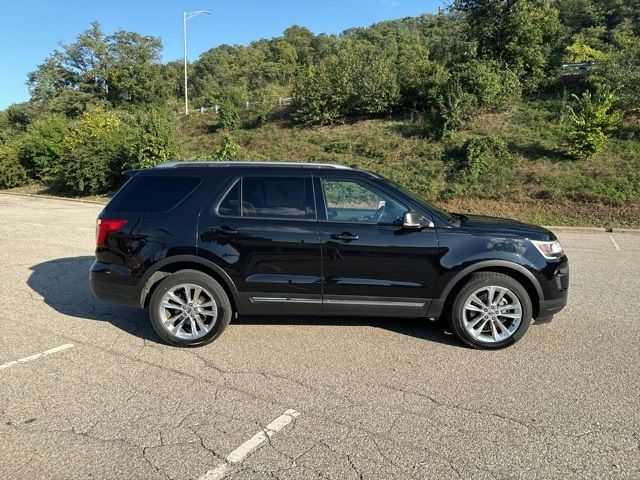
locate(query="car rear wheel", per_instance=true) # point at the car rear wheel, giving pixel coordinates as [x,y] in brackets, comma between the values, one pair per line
[491,311]
[189,309]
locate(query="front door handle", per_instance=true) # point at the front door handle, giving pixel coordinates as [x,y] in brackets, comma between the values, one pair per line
[345,236]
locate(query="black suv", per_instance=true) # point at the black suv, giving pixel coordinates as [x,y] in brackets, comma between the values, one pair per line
[198,242]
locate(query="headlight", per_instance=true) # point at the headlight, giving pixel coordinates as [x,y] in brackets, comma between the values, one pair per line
[549,250]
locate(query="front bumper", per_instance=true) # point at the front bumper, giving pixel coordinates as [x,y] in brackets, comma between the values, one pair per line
[548,308]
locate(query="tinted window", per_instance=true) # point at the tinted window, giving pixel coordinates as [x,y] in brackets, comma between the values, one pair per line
[277,197]
[230,205]
[353,201]
[147,193]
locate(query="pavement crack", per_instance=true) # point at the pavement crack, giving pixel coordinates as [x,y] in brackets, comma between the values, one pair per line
[353,466]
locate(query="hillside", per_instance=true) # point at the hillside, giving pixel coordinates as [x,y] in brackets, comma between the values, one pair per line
[544,186]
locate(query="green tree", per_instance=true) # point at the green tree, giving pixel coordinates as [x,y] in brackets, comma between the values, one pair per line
[619,70]
[580,51]
[522,34]
[301,38]
[123,68]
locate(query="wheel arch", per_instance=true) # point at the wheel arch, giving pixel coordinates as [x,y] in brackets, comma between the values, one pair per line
[514,270]
[176,263]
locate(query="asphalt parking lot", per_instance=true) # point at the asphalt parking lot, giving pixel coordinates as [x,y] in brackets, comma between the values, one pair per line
[88,391]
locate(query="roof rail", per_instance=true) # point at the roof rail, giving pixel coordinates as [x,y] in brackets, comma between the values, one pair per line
[246,163]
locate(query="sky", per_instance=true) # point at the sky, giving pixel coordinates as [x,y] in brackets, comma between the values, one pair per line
[31,29]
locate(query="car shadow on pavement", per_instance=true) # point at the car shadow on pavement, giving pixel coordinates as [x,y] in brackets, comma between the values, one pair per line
[414,327]
[64,285]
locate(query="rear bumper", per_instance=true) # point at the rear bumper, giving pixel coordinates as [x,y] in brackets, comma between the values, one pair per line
[111,285]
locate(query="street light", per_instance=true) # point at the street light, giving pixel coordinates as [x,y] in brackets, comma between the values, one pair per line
[187,16]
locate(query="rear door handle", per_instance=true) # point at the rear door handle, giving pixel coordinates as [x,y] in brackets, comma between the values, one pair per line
[345,236]
[224,230]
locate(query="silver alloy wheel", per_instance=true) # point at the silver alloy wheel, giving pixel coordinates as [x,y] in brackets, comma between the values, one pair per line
[492,314]
[188,311]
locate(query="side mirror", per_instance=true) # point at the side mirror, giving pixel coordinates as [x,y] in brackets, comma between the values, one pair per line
[415,221]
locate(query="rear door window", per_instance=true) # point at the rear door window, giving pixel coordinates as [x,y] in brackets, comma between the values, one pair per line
[270,197]
[152,194]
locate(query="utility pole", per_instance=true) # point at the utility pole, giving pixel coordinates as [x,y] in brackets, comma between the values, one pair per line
[187,16]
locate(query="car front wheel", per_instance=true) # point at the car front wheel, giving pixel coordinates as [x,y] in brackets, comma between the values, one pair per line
[491,311]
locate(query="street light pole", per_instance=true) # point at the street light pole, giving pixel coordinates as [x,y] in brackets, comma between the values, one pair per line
[187,16]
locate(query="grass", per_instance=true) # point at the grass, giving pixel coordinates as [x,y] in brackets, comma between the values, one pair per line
[546,188]
[42,190]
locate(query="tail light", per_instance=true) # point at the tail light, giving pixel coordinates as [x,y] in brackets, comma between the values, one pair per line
[105,226]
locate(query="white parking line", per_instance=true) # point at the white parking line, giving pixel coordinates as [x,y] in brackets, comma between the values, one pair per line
[250,446]
[615,244]
[36,356]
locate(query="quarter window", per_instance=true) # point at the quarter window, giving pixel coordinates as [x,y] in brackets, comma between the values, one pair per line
[230,206]
[356,202]
[152,194]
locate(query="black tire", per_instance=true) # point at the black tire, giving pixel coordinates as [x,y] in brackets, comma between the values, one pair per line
[194,277]
[455,313]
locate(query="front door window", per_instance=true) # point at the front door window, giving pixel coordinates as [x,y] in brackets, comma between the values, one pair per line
[352,201]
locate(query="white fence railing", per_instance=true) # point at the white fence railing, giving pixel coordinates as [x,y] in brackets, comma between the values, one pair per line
[279,102]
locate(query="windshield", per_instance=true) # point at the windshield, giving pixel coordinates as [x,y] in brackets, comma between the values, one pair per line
[446,215]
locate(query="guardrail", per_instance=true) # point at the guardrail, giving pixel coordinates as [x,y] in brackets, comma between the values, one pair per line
[279,102]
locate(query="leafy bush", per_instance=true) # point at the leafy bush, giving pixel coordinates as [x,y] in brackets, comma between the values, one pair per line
[229,116]
[339,146]
[94,152]
[493,85]
[42,149]
[228,150]
[482,167]
[452,109]
[358,80]
[151,140]
[319,101]
[592,121]
[372,149]
[12,172]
